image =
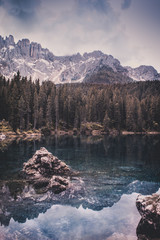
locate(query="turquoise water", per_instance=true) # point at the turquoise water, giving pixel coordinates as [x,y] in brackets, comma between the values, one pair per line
[113,171]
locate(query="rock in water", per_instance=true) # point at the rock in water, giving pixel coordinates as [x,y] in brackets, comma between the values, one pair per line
[149,209]
[47,172]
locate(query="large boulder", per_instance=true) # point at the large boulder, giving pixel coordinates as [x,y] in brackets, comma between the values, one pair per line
[149,208]
[47,172]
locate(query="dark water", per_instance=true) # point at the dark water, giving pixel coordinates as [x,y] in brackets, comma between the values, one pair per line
[113,171]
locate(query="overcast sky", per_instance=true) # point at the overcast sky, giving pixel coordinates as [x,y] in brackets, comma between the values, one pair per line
[127,29]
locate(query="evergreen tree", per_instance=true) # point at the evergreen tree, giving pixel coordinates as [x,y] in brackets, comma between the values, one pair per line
[35,109]
[57,109]
[21,114]
[132,107]
[49,113]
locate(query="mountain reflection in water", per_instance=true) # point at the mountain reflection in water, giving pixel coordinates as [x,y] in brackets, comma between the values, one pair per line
[113,171]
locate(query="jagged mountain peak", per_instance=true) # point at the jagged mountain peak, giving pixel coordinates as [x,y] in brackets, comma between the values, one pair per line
[143,73]
[31,59]
[95,54]
[7,41]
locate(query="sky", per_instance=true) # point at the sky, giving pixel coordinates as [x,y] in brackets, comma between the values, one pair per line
[127,29]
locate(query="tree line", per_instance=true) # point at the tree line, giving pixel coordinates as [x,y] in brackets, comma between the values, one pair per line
[34,105]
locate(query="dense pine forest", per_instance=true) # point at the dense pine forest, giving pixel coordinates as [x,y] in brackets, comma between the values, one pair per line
[31,105]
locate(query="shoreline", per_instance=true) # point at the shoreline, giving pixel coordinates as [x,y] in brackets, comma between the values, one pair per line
[139,133]
[36,135]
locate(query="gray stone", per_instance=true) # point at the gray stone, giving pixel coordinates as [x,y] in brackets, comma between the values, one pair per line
[58,184]
[47,172]
[24,46]
[149,208]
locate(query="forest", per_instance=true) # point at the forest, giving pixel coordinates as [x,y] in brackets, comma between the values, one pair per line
[33,105]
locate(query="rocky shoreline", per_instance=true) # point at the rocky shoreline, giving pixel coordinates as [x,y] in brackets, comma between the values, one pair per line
[86,129]
[149,209]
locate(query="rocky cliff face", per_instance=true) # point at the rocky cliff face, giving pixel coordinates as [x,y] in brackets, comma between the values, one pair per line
[143,73]
[33,60]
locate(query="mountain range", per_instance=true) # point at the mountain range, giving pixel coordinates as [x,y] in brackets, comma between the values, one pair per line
[40,63]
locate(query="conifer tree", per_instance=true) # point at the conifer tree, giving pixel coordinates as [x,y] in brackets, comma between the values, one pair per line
[35,109]
[21,113]
[49,113]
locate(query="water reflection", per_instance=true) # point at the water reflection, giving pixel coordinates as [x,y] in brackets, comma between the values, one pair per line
[66,222]
[110,168]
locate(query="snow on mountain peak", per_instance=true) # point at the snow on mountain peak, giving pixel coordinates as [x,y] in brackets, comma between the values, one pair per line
[39,63]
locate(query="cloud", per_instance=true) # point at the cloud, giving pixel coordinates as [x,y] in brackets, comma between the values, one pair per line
[126,4]
[24,10]
[75,26]
[99,5]
[68,27]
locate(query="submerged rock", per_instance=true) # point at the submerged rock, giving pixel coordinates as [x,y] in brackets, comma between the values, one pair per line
[47,172]
[149,208]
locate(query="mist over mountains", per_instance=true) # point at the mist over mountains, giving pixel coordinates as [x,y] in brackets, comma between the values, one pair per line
[31,59]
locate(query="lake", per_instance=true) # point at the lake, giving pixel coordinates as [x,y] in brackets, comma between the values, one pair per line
[113,171]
